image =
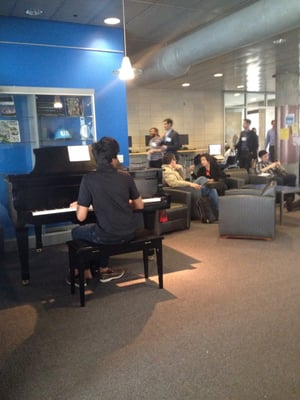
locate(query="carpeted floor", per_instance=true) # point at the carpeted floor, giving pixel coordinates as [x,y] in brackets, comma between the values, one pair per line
[225,327]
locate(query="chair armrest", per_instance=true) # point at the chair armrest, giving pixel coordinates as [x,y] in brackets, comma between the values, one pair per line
[258,179]
[235,182]
[243,191]
[178,196]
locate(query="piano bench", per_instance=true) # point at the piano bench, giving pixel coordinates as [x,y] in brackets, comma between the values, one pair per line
[82,253]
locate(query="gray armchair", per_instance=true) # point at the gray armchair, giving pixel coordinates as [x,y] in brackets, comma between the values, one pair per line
[248,213]
[178,215]
[239,177]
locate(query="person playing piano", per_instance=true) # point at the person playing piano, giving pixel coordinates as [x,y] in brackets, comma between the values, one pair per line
[113,195]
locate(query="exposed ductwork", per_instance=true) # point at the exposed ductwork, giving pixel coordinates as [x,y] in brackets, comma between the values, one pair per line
[257,22]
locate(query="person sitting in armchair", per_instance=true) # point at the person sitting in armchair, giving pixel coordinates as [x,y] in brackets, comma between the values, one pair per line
[173,177]
[275,169]
[209,169]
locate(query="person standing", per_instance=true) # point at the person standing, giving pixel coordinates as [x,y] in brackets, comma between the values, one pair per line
[170,141]
[155,152]
[247,146]
[270,141]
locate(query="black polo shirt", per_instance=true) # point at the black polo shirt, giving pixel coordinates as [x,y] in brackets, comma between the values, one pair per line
[108,190]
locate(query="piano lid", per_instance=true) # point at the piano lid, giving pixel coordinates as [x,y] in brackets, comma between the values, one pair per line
[63,159]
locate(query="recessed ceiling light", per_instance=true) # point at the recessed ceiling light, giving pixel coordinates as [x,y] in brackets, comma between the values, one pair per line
[218,75]
[240,86]
[279,41]
[237,94]
[186,84]
[112,21]
[34,12]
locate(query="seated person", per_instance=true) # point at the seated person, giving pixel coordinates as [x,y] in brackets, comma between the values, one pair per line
[274,169]
[230,160]
[113,195]
[173,177]
[209,169]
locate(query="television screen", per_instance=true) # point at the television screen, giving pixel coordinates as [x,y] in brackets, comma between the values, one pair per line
[147,140]
[184,139]
[129,141]
[214,149]
[148,181]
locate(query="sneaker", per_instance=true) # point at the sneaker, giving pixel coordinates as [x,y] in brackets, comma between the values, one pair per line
[111,274]
[68,281]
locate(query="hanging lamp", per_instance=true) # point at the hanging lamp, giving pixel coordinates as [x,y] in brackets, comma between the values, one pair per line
[126,71]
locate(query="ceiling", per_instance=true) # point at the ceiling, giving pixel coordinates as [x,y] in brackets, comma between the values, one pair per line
[155,24]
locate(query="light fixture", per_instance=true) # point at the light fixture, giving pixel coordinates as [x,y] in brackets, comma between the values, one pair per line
[185,84]
[240,87]
[279,41]
[112,21]
[34,12]
[57,102]
[218,75]
[126,71]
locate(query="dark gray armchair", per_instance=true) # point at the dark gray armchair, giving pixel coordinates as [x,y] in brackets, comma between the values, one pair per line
[239,177]
[178,216]
[248,213]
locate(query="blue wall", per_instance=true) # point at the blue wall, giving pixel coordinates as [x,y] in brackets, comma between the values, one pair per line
[51,54]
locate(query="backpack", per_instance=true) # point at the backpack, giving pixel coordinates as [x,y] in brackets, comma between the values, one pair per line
[204,211]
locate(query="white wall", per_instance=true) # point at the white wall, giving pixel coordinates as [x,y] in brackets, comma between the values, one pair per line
[199,114]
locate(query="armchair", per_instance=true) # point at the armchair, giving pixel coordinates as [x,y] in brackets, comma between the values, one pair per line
[239,177]
[248,213]
[178,215]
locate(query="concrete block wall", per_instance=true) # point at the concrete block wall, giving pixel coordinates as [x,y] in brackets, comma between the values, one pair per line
[199,114]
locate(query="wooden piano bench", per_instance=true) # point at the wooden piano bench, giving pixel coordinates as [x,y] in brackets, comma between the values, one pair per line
[83,253]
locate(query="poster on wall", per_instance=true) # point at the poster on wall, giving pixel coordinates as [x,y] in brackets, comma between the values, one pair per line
[9,131]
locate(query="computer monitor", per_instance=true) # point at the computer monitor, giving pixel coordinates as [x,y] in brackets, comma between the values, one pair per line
[147,140]
[184,139]
[129,141]
[148,181]
[214,149]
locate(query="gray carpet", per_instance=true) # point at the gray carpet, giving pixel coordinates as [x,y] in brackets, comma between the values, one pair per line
[225,327]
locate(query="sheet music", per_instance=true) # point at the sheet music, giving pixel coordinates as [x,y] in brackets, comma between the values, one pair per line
[79,153]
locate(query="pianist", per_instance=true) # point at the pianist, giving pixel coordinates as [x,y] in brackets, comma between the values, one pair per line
[113,195]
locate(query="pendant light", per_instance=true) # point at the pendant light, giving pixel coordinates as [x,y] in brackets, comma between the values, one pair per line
[57,102]
[126,71]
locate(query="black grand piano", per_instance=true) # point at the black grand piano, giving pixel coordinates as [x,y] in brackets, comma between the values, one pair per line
[43,196]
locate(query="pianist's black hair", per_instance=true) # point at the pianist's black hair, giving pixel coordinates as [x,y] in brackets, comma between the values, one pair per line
[105,150]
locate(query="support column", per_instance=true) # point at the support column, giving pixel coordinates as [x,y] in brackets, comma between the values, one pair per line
[287,117]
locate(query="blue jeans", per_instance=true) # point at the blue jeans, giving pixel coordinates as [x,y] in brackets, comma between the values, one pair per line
[90,233]
[205,191]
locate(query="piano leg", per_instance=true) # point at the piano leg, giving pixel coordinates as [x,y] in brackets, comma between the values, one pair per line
[38,238]
[23,249]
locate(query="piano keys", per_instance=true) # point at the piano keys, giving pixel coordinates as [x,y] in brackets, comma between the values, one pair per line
[43,196]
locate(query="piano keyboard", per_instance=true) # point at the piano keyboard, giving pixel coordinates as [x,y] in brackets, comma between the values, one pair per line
[68,209]
[54,211]
[151,200]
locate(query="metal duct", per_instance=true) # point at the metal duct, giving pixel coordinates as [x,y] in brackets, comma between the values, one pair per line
[252,24]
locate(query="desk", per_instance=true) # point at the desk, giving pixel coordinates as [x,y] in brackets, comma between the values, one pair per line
[139,159]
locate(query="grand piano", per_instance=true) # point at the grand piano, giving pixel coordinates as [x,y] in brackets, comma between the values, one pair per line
[43,196]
